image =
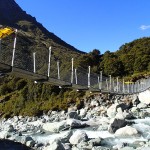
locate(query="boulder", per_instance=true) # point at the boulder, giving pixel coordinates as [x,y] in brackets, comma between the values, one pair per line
[95,142]
[73,123]
[55,126]
[126,131]
[78,136]
[9,128]
[117,124]
[111,111]
[66,137]
[142,105]
[144,97]
[73,115]
[83,112]
[100,148]
[55,145]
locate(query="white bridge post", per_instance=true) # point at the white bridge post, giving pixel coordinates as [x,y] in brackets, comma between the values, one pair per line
[76,76]
[49,62]
[34,65]
[101,78]
[72,71]
[58,69]
[14,48]
[89,84]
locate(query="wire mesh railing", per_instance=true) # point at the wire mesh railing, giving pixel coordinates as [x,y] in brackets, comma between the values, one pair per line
[44,63]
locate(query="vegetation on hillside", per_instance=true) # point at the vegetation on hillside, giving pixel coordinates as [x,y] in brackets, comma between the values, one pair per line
[23,97]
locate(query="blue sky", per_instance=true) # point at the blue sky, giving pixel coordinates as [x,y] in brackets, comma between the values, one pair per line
[90,24]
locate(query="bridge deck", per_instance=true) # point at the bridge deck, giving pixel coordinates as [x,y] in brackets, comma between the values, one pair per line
[58,82]
[26,74]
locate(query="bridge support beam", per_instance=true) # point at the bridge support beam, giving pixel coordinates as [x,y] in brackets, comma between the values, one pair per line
[49,62]
[14,48]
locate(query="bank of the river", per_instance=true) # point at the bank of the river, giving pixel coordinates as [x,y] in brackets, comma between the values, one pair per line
[115,122]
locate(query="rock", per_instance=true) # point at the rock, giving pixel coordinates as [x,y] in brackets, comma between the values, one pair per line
[103,127]
[55,145]
[124,106]
[66,137]
[144,97]
[74,123]
[111,111]
[67,146]
[83,112]
[136,101]
[117,123]
[94,103]
[55,126]
[95,142]
[3,134]
[73,115]
[25,139]
[127,148]
[30,143]
[126,131]
[78,136]
[142,105]
[120,114]
[9,128]
[100,148]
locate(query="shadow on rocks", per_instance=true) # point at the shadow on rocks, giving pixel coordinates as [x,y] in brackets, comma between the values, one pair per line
[11,145]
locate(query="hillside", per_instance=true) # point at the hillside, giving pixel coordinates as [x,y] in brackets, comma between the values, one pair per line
[23,97]
[33,37]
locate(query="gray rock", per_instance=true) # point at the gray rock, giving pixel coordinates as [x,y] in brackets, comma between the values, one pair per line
[95,142]
[100,148]
[30,143]
[66,137]
[73,115]
[55,145]
[24,139]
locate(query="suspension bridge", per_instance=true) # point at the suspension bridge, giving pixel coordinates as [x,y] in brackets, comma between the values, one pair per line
[42,67]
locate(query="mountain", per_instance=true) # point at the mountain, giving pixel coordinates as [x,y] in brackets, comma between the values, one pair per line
[33,37]
[13,15]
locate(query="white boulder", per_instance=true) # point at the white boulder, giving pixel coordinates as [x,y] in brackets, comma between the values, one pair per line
[78,136]
[111,111]
[126,131]
[144,97]
[55,126]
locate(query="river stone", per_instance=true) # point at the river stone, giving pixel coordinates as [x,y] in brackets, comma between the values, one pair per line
[127,148]
[78,136]
[126,131]
[73,114]
[111,111]
[73,122]
[55,145]
[66,137]
[100,148]
[95,142]
[117,123]
[144,97]
[55,126]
